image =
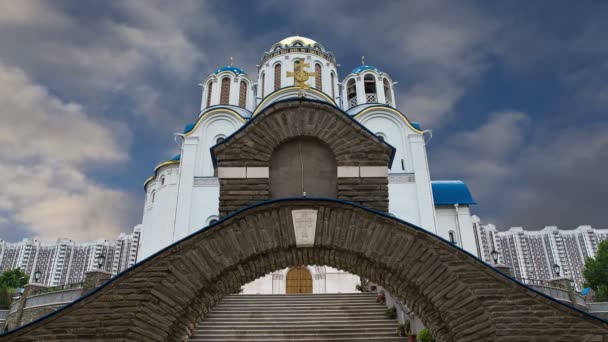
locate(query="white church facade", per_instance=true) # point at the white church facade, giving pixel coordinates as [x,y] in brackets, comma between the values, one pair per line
[182,196]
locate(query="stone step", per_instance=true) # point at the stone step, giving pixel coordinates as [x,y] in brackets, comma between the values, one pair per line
[295,317]
[309,317]
[298,339]
[281,335]
[308,325]
[294,307]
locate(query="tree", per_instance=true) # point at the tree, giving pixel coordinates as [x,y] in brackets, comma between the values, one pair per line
[13,278]
[596,271]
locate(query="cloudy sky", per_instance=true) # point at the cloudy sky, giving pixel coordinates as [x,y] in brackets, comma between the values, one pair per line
[91,92]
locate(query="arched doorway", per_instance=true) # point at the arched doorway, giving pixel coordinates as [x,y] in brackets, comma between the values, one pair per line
[299,280]
[303,167]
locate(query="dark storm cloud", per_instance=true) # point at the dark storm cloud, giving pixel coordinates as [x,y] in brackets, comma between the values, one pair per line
[515,94]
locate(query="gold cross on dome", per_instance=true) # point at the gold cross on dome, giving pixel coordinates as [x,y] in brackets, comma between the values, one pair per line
[300,74]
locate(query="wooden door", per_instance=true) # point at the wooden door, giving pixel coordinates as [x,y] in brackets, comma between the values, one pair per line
[299,280]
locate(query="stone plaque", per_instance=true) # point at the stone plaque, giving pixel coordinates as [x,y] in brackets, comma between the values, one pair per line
[304,226]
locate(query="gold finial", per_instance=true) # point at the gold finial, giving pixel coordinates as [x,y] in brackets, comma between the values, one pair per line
[231,61]
[362,60]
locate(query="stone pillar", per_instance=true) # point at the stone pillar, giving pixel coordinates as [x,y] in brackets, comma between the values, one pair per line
[93,279]
[15,321]
[564,283]
[504,269]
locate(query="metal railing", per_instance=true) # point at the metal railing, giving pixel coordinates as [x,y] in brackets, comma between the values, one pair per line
[540,282]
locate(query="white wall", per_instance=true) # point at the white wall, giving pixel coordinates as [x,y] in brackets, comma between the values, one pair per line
[458,220]
[159,216]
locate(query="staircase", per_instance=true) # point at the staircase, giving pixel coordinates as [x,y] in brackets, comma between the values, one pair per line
[304,317]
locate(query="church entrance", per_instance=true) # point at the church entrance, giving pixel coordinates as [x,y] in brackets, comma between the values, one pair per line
[299,280]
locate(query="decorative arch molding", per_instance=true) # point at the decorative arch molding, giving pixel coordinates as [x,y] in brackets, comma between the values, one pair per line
[459,297]
[387,111]
[213,111]
[293,93]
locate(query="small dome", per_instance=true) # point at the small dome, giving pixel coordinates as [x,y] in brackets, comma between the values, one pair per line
[234,69]
[362,68]
[291,40]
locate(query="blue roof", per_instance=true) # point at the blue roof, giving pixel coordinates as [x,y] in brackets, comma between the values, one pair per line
[233,69]
[585,291]
[363,68]
[451,192]
[416,125]
[189,127]
[176,157]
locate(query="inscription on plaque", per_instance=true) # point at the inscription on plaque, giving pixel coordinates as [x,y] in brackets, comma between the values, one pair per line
[304,225]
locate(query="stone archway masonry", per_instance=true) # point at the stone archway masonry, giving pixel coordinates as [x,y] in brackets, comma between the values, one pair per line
[459,297]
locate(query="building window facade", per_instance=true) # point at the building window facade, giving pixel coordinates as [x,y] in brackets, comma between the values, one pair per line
[332,78]
[263,92]
[369,84]
[277,76]
[243,94]
[225,91]
[209,92]
[318,77]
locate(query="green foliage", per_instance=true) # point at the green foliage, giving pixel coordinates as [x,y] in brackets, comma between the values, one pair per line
[424,336]
[14,278]
[391,312]
[5,296]
[596,271]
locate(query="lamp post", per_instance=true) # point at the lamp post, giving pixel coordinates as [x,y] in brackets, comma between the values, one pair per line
[101,259]
[37,276]
[556,270]
[494,254]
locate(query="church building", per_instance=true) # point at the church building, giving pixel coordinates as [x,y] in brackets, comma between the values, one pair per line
[183,194]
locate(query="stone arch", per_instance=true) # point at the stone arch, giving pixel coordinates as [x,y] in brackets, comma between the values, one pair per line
[459,297]
[243,159]
[303,166]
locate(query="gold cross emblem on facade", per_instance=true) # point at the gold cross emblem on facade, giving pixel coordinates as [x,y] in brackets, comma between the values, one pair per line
[300,74]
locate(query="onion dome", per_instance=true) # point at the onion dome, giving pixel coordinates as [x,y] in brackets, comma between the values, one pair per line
[363,68]
[231,68]
[298,44]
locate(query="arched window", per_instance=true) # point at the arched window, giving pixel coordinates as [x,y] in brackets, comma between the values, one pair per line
[387,92]
[318,77]
[153,195]
[209,89]
[381,136]
[225,91]
[333,88]
[162,180]
[263,84]
[277,76]
[243,94]
[369,84]
[351,93]
[452,237]
[219,139]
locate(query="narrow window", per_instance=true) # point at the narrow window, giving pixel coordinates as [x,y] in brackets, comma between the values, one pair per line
[225,91]
[402,165]
[153,195]
[219,140]
[369,83]
[263,84]
[452,239]
[162,180]
[333,90]
[351,93]
[209,89]
[243,94]
[387,92]
[318,77]
[277,76]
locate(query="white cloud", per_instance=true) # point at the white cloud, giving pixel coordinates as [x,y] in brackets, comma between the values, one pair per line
[45,144]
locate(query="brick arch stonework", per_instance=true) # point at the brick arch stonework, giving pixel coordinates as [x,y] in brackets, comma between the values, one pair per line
[457,296]
[243,159]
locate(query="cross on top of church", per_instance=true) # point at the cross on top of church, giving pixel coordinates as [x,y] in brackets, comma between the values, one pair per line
[231,61]
[300,74]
